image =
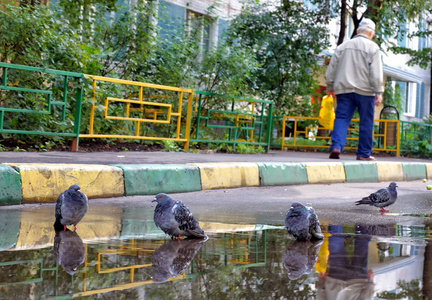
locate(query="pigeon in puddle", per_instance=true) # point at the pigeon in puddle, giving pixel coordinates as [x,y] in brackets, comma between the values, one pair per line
[71,207]
[175,219]
[381,198]
[69,250]
[302,223]
[172,258]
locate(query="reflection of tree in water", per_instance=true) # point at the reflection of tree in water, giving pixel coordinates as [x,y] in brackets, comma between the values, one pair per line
[409,290]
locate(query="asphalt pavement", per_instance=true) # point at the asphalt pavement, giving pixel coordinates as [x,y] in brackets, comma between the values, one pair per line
[140,157]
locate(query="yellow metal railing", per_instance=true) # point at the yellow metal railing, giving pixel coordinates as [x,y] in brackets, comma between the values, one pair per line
[383,135]
[150,112]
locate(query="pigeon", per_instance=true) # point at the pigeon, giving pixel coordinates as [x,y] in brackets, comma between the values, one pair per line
[69,250]
[381,198]
[172,258]
[302,223]
[300,258]
[71,207]
[175,219]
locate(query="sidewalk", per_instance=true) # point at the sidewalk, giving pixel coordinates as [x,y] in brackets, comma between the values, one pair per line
[29,177]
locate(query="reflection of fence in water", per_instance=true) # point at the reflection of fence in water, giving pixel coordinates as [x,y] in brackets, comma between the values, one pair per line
[241,249]
[385,138]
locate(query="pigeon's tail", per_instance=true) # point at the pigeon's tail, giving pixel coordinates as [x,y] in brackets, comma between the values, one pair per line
[365,200]
[197,234]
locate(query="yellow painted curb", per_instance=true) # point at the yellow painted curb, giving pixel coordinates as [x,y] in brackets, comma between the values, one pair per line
[45,182]
[322,172]
[428,170]
[228,175]
[390,171]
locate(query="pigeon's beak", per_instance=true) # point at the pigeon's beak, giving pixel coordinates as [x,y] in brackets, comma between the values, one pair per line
[154,200]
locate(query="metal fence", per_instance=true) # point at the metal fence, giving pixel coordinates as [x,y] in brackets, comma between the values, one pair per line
[231,120]
[125,105]
[42,96]
[305,129]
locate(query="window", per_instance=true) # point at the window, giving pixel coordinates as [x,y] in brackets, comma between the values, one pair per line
[203,29]
[409,91]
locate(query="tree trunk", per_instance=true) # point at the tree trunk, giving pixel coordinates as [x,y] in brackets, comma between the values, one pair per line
[342,22]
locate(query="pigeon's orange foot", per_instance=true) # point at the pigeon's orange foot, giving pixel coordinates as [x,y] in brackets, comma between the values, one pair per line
[75,228]
[64,227]
[383,210]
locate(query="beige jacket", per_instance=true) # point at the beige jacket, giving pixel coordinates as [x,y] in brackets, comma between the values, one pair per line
[356,67]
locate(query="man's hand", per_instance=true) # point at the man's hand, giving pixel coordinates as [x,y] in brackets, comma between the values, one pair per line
[378,100]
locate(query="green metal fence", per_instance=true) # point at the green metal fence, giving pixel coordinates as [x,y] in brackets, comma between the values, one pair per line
[231,120]
[42,94]
[412,132]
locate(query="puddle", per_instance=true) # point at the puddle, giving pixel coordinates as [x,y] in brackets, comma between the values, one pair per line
[238,261]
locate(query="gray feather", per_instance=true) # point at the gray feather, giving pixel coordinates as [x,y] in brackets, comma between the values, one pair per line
[71,207]
[300,258]
[69,250]
[175,219]
[302,223]
[382,197]
[172,258]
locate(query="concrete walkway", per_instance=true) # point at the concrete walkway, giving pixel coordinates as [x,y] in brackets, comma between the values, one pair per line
[29,177]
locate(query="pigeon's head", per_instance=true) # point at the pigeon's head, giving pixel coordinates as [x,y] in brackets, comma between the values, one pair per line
[298,207]
[393,185]
[162,198]
[75,187]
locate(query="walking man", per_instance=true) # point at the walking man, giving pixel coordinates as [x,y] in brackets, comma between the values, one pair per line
[355,76]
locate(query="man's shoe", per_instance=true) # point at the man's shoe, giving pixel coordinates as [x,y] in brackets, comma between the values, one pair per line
[335,153]
[370,158]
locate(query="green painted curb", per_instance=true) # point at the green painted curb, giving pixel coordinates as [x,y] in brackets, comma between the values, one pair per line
[361,172]
[10,186]
[282,173]
[9,228]
[413,171]
[154,179]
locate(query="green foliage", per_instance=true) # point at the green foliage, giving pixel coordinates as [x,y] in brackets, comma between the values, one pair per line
[393,16]
[286,40]
[393,97]
[408,290]
[170,146]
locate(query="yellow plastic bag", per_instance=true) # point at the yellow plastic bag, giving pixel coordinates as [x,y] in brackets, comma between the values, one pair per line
[327,113]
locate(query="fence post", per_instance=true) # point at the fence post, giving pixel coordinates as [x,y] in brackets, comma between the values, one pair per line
[188,121]
[77,123]
[269,126]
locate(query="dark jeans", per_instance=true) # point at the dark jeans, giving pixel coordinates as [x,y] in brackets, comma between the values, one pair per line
[346,105]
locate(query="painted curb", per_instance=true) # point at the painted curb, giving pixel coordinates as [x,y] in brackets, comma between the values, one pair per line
[45,182]
[282,173]
[228,175]
[428,170]
[390,171]
[413,171]
[320,172]
[27,183]
[147,179]
[360,171]
[10,186]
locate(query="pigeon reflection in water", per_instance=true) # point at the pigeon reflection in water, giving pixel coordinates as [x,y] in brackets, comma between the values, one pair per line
[300,258]
[69,250]
[172,258]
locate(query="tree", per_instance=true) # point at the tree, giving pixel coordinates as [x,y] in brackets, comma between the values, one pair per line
[286,40]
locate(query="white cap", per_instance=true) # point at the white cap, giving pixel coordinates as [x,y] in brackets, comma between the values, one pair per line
[365,22]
